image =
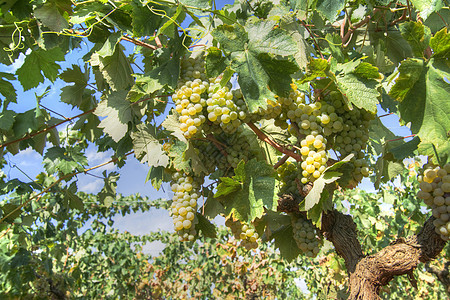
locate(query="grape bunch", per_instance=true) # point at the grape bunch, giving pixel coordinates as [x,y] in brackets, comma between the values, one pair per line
[305,236]
[288,174]
[435,191]
[189,96]
[184,205]
[226,151]
[225,107]
[243,232]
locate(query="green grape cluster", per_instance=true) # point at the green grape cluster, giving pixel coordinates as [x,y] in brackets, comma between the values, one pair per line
[288,174]
[189,96]
[243,232]
[305,236]
[227,151]
[225,108]
[184,205]
[435,191]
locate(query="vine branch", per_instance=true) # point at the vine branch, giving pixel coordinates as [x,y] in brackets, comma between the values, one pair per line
[263,137]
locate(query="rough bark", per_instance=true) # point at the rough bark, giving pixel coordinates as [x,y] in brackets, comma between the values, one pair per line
[368,273]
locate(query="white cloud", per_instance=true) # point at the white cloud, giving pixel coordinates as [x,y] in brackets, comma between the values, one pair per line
[144,222]
[16,64]
[92,187]
[93,156]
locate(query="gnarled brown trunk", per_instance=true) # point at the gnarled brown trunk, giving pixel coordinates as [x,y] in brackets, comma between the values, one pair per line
[368,273]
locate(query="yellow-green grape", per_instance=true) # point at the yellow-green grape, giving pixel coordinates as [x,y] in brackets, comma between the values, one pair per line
[243,232]
[435,191]
[288,174]
[315,157]
[225,108]
[184,205]
[188,97]
[305,236]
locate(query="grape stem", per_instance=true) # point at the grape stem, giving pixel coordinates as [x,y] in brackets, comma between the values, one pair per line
[281,161]
[217,144]
[263,137]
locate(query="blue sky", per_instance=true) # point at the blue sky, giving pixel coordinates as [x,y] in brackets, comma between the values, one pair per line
[133,174]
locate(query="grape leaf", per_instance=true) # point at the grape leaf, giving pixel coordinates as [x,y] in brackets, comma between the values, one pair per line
[49,15]
[274,221]
[356,81]
[227,185]
[156,176]
[118,113]
[191,154]
[284,240]
[317,67]
[314,195]
[330,8]
[6,87]
[109,47]
[215,62]
[7,120]
[265,38]
[260,75]
[359,91]
[257,190]
[64,160]
[70,195]
[205,226]
[176,151]
[440,43]
[426,7]
[76,95]
[427,107]
[12,211]
[417,35]
[410,71]
[172,124]
[116,69]
[39,62]
[147,148]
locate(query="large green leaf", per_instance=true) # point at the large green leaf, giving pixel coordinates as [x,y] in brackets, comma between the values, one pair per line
[426,7]
[314,195]
[6,87]
[118,113]
[205,226]
[265,38]
[427,107]
[330,8]
[37,64]
[361,92]
[147,148]
[284,240]
[7,119]
[49,15]
[440,43]
[410,71]
[261,75]
[250,191]
[357,81]
[116,69]
[417,35]
[76,94]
